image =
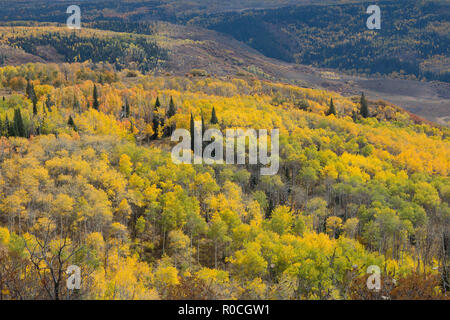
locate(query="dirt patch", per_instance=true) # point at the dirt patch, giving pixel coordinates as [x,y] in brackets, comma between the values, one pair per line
[49,54]
[16,56]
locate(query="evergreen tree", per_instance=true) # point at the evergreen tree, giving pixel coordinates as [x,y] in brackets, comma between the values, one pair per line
[48,103]
[192,130]
[171,112]
[214,119]
[203,126]
[18,127]
[4,126]
[127,109]
[332,109]
[95,104]
[156,120]
[28,89]
[364,107]
[161,119]
[35,111]
[32,95]
[71,123]
[9,127]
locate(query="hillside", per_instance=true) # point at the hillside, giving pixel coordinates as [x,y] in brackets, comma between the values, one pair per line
[101,185]
[135,10]
[95,206]
[413,41]
[412,44]
[181,49]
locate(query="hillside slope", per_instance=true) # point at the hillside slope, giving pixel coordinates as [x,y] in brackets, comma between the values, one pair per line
[181,49]
[85,180]
[413,40]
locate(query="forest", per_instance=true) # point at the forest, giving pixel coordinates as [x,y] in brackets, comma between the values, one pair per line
[86,179]
[122,51]
[412,42]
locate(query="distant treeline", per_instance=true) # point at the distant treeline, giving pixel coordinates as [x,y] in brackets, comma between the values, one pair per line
[117,50]
[336,36]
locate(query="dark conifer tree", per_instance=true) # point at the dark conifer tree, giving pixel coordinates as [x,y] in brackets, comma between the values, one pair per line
[9,127]
[192,130]
[203,130]
[48,103]
[364,107]
[28,89]
[35,111]
[214,119]
[203,126]
[95,104]
[171,112]
[156,119]
[127,109]
[71,123]
[32,95]
[19,128]
[332,109]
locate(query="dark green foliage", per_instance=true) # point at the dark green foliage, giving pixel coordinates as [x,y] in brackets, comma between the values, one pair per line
[332,109]
[127,108]
[31,94]
[354,116]
[171,112]
[9,127]
[34,100]
[95,104]
[71,123]
[214,119]
[48,103]
[156,119]
[117,50]
[2,128]
[203,126]
[364,111]
[28,89]
[304,34]
[302,105]
[192,131]
[35,108]
[18,125]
